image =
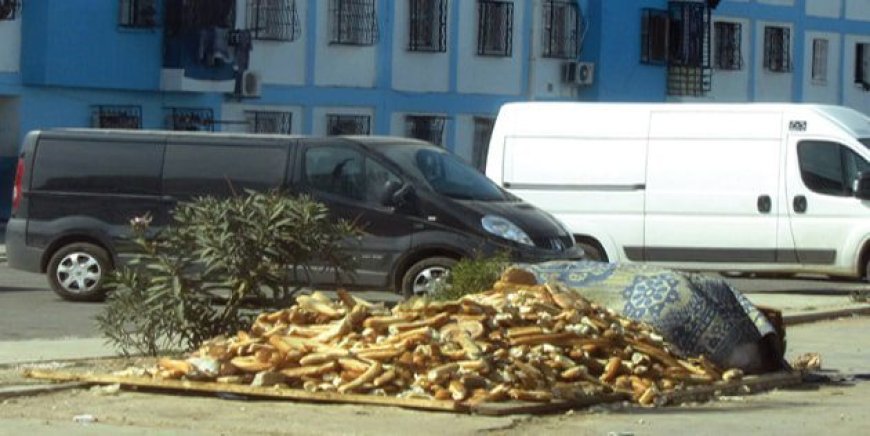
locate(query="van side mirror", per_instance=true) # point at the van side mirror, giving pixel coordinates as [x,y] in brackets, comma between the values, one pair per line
[861,186]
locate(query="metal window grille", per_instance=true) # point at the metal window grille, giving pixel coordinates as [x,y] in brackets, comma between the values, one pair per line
[426,127]
[116,117]
[428,25]
[561,29]
[353,22]
[137,13]
[820,61]
[9,9]
[689,55]
[348,124]
[480,147]
[654,37]
[190,119]
[495,28]
[777,50]
[273,20]
[199,14]
[862,65]
[275,122]
[728,37]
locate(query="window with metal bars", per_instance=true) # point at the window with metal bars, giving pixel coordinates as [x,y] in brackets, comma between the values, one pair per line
[116,117]
[9,9]
[273,20]
[728,38]
[561,29]
[137,13]
[427,24]
[427,128]
[820,61]
[353,22]
[862,65]
[274,122]
[495,28]
[480,147]
[689,51]
[348,124]
[654,37]
[777,49]
[190,119]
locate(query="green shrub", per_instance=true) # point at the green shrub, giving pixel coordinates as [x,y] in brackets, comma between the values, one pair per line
[473,275]
[220,258]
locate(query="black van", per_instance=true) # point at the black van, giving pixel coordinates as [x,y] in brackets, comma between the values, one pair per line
[420,207]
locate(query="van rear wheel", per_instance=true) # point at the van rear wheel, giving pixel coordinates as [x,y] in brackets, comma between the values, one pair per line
[426,276]
[77,272]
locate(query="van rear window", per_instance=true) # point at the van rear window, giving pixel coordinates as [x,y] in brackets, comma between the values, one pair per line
[86,166]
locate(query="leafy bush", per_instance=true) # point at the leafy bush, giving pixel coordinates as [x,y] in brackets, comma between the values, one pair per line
[473,275]
[195,278]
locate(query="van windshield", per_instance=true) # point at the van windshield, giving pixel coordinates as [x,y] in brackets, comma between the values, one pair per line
[866,142]
[444,172]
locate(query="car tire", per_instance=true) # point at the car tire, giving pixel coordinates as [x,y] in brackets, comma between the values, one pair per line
[78,271]
[420,279]
[591,251]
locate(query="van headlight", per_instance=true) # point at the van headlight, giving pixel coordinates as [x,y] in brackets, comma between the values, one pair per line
[503,228]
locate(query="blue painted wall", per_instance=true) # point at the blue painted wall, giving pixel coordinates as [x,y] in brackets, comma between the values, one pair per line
[78,43]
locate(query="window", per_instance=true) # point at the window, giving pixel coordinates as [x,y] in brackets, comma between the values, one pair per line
[495,28]
[222,170]
[654,37]
[275,20]
[348,125]
[862,65]
[428,25]
[116,117]
[9,9]
[480,147]
[728,36]
[138,13]
[829,168]
[561,29]
[353,22]
[69,166]
[820,61]
[689,54]
[777,51]
[426,128]
[269,122]
[190,119]
[335,170]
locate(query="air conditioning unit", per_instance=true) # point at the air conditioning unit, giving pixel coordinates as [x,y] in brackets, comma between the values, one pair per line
[578,73]
[251,84]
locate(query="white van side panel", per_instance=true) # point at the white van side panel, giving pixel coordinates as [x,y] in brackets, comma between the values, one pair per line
[594,187]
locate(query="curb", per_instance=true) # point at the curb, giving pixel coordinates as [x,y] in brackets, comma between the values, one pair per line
[804,318]
[30,390]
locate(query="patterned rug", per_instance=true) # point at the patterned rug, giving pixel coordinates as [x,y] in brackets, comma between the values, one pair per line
[698,314]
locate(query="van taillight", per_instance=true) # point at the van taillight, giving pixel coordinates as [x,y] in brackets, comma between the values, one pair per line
[16,188]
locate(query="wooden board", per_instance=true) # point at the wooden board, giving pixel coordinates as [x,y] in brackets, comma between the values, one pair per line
[697,393]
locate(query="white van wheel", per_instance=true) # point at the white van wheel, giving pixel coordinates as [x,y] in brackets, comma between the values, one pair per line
[77,272]
[592,252]
[426,276]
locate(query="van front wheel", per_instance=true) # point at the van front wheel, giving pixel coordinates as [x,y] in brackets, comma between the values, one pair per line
[426,276]
[78,271]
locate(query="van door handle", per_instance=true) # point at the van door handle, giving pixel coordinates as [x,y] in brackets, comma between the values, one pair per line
[800,204]
[764,203]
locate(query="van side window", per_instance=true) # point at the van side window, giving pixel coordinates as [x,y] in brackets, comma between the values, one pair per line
[198,170]
[68,165]
[828,167]
[377,178]
[335,170]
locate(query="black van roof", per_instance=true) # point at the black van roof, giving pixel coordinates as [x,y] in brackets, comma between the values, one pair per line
[367,140]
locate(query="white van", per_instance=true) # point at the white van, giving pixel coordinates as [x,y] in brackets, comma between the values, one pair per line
[729,187]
